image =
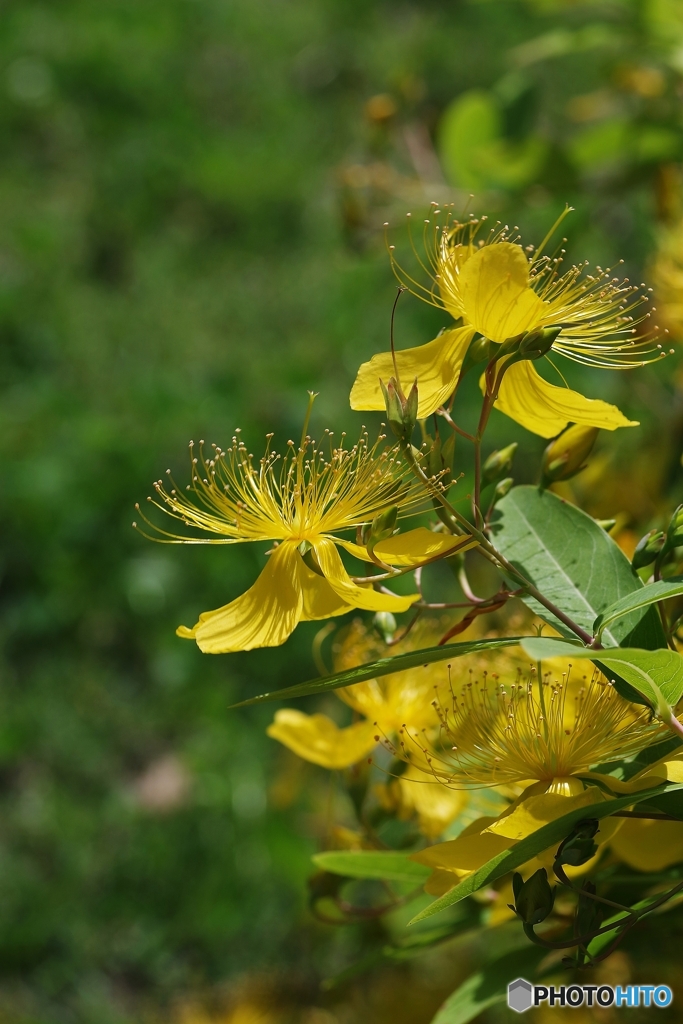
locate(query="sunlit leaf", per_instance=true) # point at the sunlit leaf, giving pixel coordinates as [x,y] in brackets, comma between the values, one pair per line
[653,592]
[391,865]
[383,667]
[656,675]
[574,563]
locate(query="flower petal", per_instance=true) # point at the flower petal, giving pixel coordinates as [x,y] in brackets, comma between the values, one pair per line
[320,600]
[649,845]
[318,739]
[412,548]
[546,409]
[264,616]
[364,597]
[473,847]
[436,366]
[496,297]
[532,812]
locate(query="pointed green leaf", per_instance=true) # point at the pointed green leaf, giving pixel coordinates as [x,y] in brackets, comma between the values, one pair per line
[389,865]
[640,599]
[383,667]
[574,563]
[549,835]
[656,675]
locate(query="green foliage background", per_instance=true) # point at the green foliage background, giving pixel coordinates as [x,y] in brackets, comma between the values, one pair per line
[179,255]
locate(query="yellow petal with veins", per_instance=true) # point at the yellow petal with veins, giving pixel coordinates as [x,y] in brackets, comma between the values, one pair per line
[496,297]
[436,366]
[530,813]
[473,847]
[320,601]
[546,409]
[356,596]
[649,845]
[316,738]
[412,548]
[264,616]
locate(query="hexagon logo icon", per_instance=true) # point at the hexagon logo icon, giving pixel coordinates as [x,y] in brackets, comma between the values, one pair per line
[520,995]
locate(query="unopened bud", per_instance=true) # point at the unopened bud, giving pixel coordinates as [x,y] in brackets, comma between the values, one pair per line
[579,846]
[503,488]
[535,344]
[440,460]
[401,411]
[534,898]
[606,524]
[381,528]
[647,549]
[385,624]
[674,533]
[588,912]
[565,456]
[480,350]
[498,464]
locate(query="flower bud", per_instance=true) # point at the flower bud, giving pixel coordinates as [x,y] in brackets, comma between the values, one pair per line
[385,624]
[498,464]
[440,460]
[479,351]
[381,528]
[565,456]
[674,533]
[503,488]
[535,344]
[647,549]
[588,912]
[578,847]
[401,411]
[534,898]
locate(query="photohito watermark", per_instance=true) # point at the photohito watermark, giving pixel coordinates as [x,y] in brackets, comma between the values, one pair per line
[522,995]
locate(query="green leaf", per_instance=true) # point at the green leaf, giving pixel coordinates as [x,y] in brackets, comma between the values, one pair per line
[656,675]
[389,865]
[658,591]
[489,985]
[473,150]
[383,667]
[543,838]
[574,563]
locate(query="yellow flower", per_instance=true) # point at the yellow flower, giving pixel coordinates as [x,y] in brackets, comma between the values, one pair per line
[299,501]
[500,293]
[385,706]
[544,738]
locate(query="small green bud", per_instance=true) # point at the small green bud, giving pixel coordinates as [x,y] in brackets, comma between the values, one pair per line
[578,847]
[534,898]
[479,351]
[535,344]
[565,456]
[385,624]
[647,549]
[381,528]
[401,411]
[674,533]
[588,912]
[606,524]
[498,464]
[502,488]
[439,460]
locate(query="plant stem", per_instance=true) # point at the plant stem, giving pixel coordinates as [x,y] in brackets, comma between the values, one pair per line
[461,525]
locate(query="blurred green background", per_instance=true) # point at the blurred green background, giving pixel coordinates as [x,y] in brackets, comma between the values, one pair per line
[192,195]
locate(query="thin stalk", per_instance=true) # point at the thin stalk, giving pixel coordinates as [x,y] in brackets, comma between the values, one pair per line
[462,525]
